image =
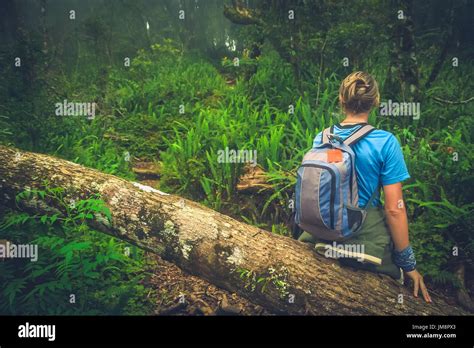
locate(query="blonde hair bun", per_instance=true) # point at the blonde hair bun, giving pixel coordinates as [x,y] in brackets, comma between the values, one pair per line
[359,93]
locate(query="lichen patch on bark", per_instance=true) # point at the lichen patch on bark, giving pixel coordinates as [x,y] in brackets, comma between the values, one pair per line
[149,189]
[237,257]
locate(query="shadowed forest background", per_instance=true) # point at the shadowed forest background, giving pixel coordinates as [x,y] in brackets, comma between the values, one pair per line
[171,91]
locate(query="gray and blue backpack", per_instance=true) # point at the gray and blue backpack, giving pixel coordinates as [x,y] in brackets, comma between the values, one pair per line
[326,194]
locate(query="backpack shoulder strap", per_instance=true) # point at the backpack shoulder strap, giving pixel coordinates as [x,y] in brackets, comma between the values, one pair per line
[371,199]
[325,135]
[359,134]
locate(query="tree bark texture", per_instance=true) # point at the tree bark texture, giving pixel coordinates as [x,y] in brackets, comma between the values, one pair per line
[277,272]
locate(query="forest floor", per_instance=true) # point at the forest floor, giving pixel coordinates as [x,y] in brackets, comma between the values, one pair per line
[178,293]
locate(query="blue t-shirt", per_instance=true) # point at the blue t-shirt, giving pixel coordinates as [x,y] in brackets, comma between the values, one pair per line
[379,160]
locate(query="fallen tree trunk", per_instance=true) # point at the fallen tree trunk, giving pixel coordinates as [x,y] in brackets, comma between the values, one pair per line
[230,254]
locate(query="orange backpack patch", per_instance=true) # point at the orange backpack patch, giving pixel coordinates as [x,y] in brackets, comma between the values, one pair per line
[334,155]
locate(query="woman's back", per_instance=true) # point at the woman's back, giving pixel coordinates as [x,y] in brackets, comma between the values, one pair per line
[379,160]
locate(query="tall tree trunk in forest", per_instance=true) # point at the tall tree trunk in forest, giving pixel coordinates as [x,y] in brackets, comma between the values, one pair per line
[444,51]
[43,27]
[230,254]
[403,75]
[8,21]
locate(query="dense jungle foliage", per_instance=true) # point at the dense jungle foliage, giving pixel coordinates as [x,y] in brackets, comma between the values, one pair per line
[184,96]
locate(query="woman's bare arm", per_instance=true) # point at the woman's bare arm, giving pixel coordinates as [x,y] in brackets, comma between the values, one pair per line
[396,215]
[397,221]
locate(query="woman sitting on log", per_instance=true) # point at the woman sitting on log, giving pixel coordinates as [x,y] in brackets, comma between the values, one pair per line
[343,172]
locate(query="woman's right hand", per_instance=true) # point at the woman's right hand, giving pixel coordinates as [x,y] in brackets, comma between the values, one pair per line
[418,283]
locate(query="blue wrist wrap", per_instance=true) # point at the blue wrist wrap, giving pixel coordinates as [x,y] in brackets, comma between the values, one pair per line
[405,259]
